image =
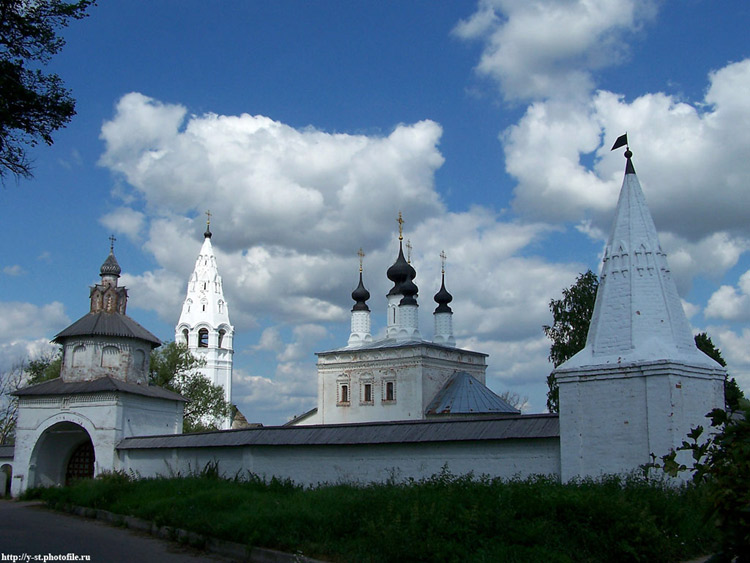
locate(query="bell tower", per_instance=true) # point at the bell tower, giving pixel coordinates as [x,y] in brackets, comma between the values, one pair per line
[204,322]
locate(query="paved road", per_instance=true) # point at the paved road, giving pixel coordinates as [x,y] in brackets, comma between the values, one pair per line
[29,528]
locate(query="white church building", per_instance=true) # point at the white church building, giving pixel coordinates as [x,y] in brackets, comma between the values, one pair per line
[397,408]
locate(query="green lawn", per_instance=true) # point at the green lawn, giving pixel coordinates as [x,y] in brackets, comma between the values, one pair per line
[443,518]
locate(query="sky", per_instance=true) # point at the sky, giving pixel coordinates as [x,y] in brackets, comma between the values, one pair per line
[305,127]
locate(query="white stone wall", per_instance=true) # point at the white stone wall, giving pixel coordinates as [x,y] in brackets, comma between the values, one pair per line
[612,418]
[313,465]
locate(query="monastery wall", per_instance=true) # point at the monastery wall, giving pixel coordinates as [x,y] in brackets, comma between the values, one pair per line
[362,464]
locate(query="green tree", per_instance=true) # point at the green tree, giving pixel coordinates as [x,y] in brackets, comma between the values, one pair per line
[732,392]
[33,104]
[174,367]
[571,318]
[44,368]
[721,464]
[21,374]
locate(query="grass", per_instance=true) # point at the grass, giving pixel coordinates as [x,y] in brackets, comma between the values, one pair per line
[443,518]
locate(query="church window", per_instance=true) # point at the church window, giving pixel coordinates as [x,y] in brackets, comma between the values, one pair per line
[110,357]
[221,306]
[185,335]
[367,393]
[389,394]
[204,289]
[344,393]
[222,333]
[203,338]
[204,307]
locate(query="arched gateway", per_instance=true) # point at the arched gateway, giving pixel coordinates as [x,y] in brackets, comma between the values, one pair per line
[68,427]
[63,454]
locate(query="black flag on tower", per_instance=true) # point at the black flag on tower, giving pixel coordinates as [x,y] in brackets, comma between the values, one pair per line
[622,141]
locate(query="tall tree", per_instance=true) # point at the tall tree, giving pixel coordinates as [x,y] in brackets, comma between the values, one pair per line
[174,367]
[32,104]
[732,392]
[571,318]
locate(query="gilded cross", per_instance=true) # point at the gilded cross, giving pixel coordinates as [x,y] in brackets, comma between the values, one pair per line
[400,222]
[408,251]
[208,218]
[442,260]
[361,255]
[112,240]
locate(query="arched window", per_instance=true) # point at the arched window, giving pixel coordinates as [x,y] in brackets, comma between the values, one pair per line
[139,360]
[79,356]
[368,393]
[203,338]
[222,332]
[110,357]
[389,395]
[186,336]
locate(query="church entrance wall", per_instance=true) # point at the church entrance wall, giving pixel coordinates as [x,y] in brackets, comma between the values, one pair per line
[63,453]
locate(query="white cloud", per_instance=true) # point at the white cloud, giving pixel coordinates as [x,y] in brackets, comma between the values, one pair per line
[26,321]
[548,48]
[14,270]
[691,161]
[269,183]
[731,303]
[126,221]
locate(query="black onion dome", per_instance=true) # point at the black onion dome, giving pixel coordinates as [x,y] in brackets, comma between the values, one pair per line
[399,272]
[110,266]
[442,298]
[360,296]
[409,289]
[208,233]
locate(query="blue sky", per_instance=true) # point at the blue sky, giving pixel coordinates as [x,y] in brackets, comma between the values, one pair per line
[306,126]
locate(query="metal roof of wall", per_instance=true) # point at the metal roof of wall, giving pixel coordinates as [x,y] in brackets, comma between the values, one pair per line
[406,432]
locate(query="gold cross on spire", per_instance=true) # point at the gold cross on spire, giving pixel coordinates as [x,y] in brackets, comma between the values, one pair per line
[112,240]
[208,218]
[361,255]
[408,251]
[442,260]
[400,222]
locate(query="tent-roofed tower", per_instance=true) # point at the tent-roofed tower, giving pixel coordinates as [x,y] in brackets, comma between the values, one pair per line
[640,384]
[204,322]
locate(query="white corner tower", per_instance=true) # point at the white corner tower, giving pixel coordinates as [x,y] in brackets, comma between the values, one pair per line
[640,383]
[204,322]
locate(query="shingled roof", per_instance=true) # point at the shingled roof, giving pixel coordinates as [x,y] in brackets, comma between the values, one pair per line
[107,324]
[103,384]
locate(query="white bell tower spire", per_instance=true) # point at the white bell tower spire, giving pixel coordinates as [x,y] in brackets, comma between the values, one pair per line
[204,322]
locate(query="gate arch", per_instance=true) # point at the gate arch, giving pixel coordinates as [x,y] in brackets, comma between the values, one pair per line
[63,453]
